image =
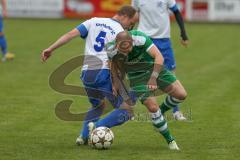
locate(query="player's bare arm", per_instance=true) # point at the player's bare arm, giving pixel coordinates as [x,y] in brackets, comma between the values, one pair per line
[115,85]
[158,63]
[4,8]
[119,87]
[180,21]
[60,42]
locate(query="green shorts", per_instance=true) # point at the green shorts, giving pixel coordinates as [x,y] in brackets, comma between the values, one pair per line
[138,83]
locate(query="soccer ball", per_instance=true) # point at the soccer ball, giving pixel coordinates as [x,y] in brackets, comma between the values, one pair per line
[101,138]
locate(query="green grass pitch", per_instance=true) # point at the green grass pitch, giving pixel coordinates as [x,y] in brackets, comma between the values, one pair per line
[208,68]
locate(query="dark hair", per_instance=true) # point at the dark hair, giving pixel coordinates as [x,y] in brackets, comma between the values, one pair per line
[127,11]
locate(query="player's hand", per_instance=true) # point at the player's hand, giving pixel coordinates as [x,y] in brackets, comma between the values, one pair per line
[46,54]
[152,84]
[184,42]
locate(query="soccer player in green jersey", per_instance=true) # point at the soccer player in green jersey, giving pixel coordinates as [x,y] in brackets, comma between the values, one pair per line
[135,54]
[144,68]
[154,21]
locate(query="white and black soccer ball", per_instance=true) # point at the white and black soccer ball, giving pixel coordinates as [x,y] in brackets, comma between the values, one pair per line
[101,138]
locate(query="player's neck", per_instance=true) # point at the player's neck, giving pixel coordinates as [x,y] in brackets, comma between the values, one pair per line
[116,18]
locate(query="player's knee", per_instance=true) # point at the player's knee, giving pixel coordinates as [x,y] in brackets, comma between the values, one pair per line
[182,95]
[98,103]
[125,106]
[180,92]
[1,34]
[130,112]
[151,105]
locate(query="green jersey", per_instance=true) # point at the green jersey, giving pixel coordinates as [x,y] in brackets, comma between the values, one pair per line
[139,65]
[139,61]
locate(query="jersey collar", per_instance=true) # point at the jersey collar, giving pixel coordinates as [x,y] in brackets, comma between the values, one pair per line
[115,20]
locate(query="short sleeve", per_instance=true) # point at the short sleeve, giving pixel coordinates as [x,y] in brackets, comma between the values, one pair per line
[84,27]
[171,3]
[148,43]
[135,4]
[111,49]
[141,39]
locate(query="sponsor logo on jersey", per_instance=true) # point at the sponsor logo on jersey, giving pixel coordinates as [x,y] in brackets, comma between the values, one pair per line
[106,26]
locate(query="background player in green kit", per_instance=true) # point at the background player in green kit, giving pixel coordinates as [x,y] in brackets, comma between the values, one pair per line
[135,54]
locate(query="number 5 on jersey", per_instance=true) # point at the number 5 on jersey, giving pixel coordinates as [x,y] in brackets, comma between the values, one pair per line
[100,41]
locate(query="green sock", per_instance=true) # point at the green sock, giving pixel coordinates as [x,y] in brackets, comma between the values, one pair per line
[169,102]
[167,135]
[161,125]
[164,108]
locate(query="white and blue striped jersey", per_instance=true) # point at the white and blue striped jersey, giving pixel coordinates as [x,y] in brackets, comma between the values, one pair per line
[98,32]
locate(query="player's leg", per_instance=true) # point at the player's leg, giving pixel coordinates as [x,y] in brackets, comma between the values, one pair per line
[115,118]
[170,64]
[165,46]
[96,83]
[93,114]
[122,104]
[176,95]
[149,100]
[3,42]
[159,122]
[122,113]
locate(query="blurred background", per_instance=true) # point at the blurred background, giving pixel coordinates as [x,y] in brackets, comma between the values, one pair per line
[193,10]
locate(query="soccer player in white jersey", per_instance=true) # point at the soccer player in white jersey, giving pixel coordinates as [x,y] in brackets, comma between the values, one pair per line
[154,21]
[95,72]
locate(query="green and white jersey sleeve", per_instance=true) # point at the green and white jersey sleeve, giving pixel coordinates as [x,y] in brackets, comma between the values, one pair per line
[111,49]
[141,40]
[139,58]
